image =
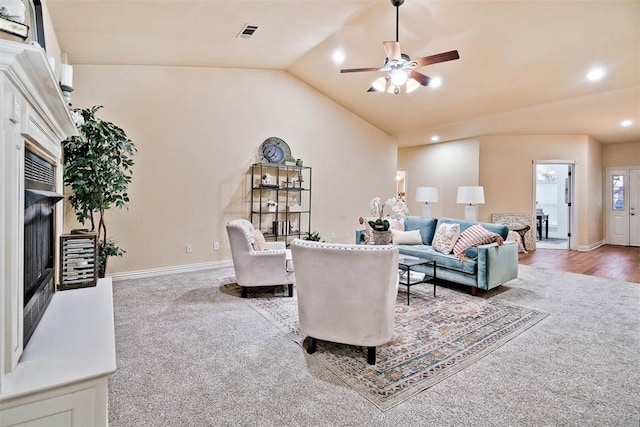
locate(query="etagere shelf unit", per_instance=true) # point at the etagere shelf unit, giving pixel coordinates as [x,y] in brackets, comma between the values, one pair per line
[281,200]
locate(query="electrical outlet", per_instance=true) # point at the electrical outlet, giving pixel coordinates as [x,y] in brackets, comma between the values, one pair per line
[189,248]
[216,246]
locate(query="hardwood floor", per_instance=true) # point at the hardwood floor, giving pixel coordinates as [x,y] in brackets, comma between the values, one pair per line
[614,262]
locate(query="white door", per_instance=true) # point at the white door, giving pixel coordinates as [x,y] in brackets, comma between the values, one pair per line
[616,207]
[634,207]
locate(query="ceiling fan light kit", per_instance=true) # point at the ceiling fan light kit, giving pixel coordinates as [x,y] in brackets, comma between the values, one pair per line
[399,68]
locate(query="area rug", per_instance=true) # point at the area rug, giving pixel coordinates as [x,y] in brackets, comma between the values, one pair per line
[434,337]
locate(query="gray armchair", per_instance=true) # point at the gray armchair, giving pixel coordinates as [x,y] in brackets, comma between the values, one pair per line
[346,293]
[269,267]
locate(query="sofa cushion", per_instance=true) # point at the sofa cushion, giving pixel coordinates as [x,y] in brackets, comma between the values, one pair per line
[427,227]
[468,266]
[411,237]
[500,229]
[446,237]
[473,236]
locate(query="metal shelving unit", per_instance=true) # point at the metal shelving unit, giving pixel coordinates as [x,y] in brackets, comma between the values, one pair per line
[290,187]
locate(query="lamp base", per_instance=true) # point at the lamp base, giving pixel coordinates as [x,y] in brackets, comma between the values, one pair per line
[470,213]
[426,211]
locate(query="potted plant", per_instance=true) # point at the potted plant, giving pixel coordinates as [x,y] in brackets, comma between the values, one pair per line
[98,167]
[290,161]
[379,227]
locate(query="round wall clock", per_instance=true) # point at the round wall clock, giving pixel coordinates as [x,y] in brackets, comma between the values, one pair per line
[274,150]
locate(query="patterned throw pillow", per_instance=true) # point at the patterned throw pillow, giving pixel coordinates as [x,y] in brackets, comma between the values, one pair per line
[259,242]
[473,236]
[445,238]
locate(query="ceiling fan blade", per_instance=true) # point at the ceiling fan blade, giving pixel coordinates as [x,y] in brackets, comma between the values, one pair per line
[434,59]
[358,70]
[420,78]
[392,50]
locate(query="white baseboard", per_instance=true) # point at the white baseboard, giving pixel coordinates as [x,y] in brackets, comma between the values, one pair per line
[590,247]
[161,271]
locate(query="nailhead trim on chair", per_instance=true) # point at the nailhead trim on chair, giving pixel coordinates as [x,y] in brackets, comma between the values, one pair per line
[347,247]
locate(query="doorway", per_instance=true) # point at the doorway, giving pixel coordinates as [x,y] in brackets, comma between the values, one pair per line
[623,206]
[553,201]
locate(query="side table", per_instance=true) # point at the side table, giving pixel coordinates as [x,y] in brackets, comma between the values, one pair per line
[405,265]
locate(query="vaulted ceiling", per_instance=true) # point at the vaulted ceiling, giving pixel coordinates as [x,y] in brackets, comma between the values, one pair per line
[522,66]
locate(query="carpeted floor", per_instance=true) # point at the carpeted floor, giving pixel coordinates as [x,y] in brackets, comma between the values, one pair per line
[191,353]
[435,338]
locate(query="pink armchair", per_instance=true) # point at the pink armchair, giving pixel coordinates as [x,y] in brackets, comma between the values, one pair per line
[346,293]
[268,267]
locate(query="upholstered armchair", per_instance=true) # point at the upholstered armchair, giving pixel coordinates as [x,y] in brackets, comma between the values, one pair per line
[346,293]
[256,262]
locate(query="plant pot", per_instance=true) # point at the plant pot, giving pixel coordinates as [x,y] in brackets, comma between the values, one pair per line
[381,237]
[271,208]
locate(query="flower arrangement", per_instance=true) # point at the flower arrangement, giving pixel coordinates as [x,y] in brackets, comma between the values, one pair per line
[398,209]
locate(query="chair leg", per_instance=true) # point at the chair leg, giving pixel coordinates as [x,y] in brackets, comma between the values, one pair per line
[371,355]
[243,292]
[290,290]
[312,346]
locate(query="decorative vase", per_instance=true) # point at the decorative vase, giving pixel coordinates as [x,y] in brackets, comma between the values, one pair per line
[381,237]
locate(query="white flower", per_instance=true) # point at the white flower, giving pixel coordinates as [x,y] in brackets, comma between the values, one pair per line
[398,207]
[376,207]
[77,118]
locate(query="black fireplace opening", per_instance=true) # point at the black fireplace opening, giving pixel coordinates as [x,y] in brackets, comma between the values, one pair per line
[39,239]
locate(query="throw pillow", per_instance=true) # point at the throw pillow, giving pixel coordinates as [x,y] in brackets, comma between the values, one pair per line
[473,236]
[412,237]
[259,242]
[445,238]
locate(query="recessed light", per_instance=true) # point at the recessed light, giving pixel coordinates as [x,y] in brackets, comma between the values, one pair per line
[435,82]
[595,74]
[435,138]
[338,56]
[626,123]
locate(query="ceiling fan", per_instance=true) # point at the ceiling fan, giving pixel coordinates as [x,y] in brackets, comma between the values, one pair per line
[399,67]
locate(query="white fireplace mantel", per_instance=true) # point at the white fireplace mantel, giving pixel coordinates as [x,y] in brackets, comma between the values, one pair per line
[60,378]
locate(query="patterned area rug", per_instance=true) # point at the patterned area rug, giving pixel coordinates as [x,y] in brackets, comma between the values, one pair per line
[434,338]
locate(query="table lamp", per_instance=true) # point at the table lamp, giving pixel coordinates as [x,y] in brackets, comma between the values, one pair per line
[426,195]
[471,196]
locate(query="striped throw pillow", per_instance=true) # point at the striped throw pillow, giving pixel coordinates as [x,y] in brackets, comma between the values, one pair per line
[473,236]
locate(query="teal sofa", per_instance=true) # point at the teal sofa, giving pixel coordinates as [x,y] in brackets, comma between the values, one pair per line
[483,267]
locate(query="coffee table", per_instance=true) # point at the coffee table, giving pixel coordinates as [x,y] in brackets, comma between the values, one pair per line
[405,264]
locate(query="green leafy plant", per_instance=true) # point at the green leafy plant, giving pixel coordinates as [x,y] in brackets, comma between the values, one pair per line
[98,166]
[314,236]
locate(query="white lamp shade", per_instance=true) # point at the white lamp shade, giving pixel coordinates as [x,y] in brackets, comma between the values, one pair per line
[426,194]
[470,195]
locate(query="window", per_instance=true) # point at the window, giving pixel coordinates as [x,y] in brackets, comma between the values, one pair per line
[617,182]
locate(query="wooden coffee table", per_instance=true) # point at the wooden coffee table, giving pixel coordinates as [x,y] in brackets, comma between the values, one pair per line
[405,264]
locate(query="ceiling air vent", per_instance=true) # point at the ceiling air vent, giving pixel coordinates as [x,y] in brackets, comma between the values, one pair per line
[247,31]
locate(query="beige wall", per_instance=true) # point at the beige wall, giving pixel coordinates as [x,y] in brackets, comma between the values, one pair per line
[510,189]
[504,166]
[444,166]
[197,131]
[621,155]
